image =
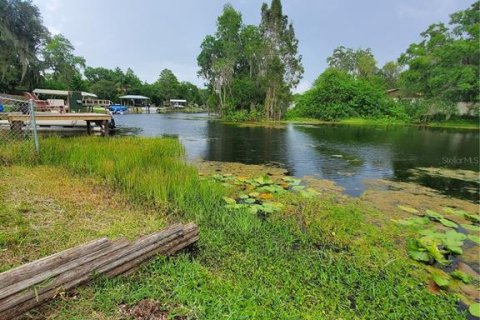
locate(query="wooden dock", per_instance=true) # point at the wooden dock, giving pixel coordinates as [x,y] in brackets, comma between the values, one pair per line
[17,120]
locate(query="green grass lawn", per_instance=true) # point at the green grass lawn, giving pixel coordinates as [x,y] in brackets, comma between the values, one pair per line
[317,258]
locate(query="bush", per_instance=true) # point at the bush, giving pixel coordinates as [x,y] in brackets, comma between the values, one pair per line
[242,115]
[338,95]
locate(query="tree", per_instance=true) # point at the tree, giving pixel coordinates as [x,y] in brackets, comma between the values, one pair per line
[445,64]
[190,92]
[220,55]
[22,34]
[283,68]
[390,74]
[62,66]
[166,87]
[359,63]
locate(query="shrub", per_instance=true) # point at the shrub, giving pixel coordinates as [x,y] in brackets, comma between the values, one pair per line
[337,95]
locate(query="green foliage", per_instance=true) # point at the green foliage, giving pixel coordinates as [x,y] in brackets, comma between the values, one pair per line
[390,74]
[246,66]
[21,35]
[359,63]
[62,66]
[474,309]
[338,95]
[446,64]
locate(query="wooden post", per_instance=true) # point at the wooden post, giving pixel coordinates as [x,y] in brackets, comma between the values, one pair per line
[105,128]
[89,127]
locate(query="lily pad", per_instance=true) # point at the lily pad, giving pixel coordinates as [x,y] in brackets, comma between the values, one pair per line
[417,252]
[433,215]
[254,194]
[448,223]
[265,180]
[474,238]
[472,217]
[440,280]
[431,245]
[454,211]
[243,196]
[453,241]
[413,221]
[407,209]
[229,200]
[474,309]
[471,227]
[465,278]
[250,201]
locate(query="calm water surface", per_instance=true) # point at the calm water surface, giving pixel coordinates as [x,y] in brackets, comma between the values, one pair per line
[347,155]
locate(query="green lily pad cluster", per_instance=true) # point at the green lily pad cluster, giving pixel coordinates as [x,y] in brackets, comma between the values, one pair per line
[433,245]
[265,184]
[252,205]
[257,192]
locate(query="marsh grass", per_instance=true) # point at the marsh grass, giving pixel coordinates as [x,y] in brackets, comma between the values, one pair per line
[316,259]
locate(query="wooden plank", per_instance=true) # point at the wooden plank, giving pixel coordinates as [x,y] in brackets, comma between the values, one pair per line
[61,116]
[58,282]
[48,274]
[135,260]
[167,241]
[28,270]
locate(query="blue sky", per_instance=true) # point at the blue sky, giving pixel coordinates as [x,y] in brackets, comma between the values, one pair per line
[150,35]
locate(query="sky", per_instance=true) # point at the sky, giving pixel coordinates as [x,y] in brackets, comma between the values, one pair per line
[150,35]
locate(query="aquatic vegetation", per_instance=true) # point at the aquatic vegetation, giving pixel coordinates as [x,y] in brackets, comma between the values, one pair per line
[459,174]
[438,217]
[474,238]
[415,221]
[434,245]
[440,278]
[465,278]
[471,227]
[474,309]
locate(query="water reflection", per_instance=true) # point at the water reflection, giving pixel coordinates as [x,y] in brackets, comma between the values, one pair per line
[345,154]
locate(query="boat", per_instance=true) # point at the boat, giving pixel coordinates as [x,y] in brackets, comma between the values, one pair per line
[117,108]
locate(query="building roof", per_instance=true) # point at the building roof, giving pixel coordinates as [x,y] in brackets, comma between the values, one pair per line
[178,100]
[61,92]
[134,97]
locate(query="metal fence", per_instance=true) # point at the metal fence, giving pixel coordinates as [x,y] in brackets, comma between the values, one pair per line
[18,129]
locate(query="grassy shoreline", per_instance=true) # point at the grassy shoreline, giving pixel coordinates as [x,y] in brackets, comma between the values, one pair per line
[454,124]
[451,124]
[306,261]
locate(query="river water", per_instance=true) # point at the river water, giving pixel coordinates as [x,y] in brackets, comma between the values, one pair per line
[348,155]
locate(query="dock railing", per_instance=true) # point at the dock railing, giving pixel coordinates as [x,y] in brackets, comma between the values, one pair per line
[19,137]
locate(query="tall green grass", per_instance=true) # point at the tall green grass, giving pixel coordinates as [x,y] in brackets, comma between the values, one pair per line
[150,172]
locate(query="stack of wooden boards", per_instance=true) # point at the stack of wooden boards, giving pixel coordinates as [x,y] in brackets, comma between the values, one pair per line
[30,285]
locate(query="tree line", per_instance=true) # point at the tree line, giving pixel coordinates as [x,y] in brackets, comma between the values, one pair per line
[430,77]
[31,57]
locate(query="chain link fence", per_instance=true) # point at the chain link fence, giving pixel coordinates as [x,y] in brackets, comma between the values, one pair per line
[18,130]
